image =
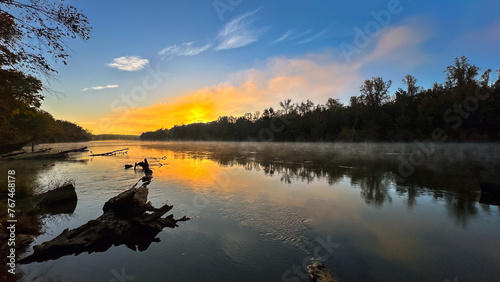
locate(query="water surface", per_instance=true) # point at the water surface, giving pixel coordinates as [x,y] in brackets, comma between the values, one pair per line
[263,211]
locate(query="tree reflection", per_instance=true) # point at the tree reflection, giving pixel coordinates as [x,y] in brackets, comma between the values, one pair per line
[374,188]
[462,206]
[377,179]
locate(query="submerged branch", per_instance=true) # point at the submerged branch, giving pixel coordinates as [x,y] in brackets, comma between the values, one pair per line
[112,153]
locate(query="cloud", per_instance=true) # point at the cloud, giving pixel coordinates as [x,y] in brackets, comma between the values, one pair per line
[300,34]
[293,35]
[184,49]
[129,63]
[400,42]
[314,37]
[100,87]
[285,36]
[237,33]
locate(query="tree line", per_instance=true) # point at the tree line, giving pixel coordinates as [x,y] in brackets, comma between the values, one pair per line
[465,107]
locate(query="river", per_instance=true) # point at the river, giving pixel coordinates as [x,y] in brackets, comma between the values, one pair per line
[262,212]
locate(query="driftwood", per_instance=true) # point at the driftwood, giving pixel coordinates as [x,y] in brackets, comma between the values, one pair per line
[112,153]
[84,149]
[45,154]
[145,167]
[127,219]
[319,273]
[12,154]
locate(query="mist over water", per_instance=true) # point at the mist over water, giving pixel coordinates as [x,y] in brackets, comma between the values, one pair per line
[336,152]
[481,158]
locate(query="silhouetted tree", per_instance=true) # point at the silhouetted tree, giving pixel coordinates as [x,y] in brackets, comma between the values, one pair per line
[334,105]
[287,106]
[374,92]
[461,73]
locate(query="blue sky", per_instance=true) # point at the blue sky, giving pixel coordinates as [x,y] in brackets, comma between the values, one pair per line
[229,57]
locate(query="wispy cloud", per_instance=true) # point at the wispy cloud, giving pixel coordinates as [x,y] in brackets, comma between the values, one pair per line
[100,87]
[300,34]
[237,33]
[399,42]
[283,37]
[314,37]
[129,63]
[184,49]
[292,35]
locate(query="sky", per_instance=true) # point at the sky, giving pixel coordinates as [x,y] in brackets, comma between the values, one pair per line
[154,64]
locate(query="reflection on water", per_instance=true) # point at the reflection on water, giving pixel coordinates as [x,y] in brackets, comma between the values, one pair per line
[373,174]
[261,208]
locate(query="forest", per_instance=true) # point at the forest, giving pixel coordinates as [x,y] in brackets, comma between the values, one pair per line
[464,108]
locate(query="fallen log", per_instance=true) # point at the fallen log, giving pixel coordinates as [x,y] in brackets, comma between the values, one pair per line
[127,219]
[112,153]
[45,154]
[83,149]
[12,154]
[36,156]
